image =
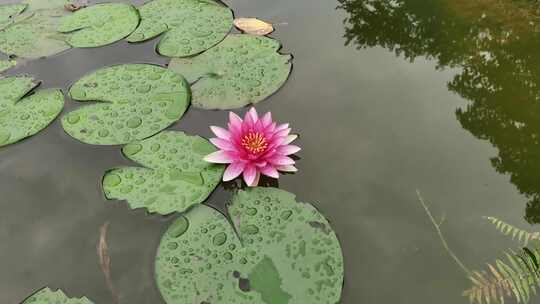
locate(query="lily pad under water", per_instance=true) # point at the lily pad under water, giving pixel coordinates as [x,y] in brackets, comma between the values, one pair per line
[175,176]
[6,65]
[241,70]
[136,101]
[285,253]
[100,24]
[20,116]
[189,26]
[48,296]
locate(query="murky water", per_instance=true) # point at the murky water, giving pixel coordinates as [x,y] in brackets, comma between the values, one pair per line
[438,95]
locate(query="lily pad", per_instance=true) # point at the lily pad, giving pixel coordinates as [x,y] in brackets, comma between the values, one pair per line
[8,11]
[48,296]
[100,24]
[33,34]
[174,176]
[136,101]
[243,69]
[20,116]
[189,26]
[34,5]
[6,65]
[284,253]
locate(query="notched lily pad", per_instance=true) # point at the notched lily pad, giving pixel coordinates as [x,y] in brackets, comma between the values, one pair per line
[136,101]
[189,26]
[33,34]
[174,176]
[48,296]
[285,253]
[20,116]
[243,69]
[100,24]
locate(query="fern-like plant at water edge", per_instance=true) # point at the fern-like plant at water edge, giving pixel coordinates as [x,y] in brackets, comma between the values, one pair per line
[517,277]
[524,237]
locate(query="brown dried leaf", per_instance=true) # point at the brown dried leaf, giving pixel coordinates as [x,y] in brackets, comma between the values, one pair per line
[105,261]
[253,26]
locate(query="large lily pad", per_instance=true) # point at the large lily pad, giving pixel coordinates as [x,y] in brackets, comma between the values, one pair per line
[175,176]
[190,26]
[48,296]
[34,5]
[100,24]
[243,69]
[285,253]
[23,117]
[33,34]
[8,12]
[136,101]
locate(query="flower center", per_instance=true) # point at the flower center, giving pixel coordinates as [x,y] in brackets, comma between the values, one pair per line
[254,142]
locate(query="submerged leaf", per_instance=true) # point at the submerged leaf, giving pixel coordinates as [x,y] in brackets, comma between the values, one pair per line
[136,101]
[33,34]
[47,296]
[243,69]
[285,253]
[175,176]
[253,26]
[23,117]
[100,24]
[190,26]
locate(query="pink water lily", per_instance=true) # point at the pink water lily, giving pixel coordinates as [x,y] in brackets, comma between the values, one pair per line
[253,146]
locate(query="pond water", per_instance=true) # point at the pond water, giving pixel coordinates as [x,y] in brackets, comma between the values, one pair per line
[388,96]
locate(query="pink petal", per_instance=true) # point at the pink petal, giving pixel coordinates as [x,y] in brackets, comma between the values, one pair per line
[280,160]
[223,144]
[282,133]
[218,157]
[250,174]
[253,113]
[260,164]
[288,150]
[267,119]
[233,171]
[235,121]
[282,127]
[256,181]
[289,139]
[221,133]
[270,171]
[288,168]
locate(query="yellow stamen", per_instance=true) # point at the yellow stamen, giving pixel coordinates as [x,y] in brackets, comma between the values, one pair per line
[254,142]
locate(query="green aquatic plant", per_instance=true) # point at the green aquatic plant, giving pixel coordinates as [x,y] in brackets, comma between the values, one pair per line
[100,24]
[518,276]
[174,175]
[523,236]
[135,101]
[6,65]
[32,33]
[188,26]
[8,12]
[21,115]
[48,296]
[274,250]
[241,70]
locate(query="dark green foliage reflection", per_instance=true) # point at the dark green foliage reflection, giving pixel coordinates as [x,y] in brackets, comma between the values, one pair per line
[494,43]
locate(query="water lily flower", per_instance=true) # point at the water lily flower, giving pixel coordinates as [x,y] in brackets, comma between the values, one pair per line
[253,146]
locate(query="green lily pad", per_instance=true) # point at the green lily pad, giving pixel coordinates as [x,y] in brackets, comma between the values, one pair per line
[47,296]
[34,5]
[243,69]
[174,176]
[100,24]
[190,26]
[33,34]
[136,101]
[20,116]
[285,253]
[6,65]
[8,11]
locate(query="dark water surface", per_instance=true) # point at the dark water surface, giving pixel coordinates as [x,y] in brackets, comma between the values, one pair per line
[435,95]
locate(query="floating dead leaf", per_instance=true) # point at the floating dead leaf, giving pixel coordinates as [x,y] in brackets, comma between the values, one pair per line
[253,26]
[105,261]
[76,5]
